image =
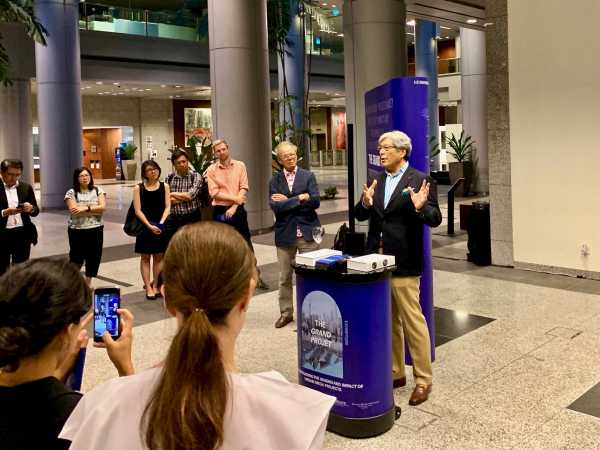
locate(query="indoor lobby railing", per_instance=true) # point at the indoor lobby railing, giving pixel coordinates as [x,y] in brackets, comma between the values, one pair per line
[180,24]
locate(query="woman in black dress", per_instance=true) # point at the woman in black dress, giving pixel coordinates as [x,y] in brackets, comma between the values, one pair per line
[152,205]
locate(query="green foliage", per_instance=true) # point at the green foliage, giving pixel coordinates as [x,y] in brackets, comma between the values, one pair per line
[200,158]
[279,22]
[18,11]
[331,192]
[462,148]
[128,152]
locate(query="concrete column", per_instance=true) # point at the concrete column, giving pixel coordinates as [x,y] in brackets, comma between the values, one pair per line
[427,66]
[239,74]
[374,52]
[498,127]
[474,101]
[294,74]
[58,74]
[15,101]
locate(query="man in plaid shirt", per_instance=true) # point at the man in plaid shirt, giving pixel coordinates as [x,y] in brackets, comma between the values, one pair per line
[185,187]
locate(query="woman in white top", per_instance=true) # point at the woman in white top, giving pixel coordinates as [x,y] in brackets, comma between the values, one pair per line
[86,203]
[197,400]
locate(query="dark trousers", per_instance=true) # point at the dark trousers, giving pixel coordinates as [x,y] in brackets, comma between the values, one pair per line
[239,221]
[175,221]
[15,247]
[86,246]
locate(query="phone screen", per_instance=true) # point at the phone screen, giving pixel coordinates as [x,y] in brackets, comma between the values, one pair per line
[106,303]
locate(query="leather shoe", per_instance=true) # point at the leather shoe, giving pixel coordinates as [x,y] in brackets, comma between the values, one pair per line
[399,382]
[420,394]
[283,320]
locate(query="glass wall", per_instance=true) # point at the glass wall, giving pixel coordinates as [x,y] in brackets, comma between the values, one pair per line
[181,23]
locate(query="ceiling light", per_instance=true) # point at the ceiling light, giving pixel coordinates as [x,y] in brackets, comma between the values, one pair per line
[163,85]
[116,83]
[100,93]
[471,20]
[333,6]
[445,28]
[324,4]
[99,82]
[178,86]
[148,89]
[177,96]
[411,23]
[487,24]
[341,35]
[170,96]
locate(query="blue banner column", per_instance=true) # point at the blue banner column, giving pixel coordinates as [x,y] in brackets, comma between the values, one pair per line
[426,66]
[58,76]
[293,60]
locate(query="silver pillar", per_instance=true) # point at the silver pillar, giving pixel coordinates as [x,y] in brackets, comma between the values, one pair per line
[474,101]
[427,66]
[239,74]
[374,52]
[15,102]
[58,74]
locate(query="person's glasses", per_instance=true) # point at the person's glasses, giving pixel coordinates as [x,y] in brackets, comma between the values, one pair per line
[385,148]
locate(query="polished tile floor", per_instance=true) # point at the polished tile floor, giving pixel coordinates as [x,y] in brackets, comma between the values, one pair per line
[517,359]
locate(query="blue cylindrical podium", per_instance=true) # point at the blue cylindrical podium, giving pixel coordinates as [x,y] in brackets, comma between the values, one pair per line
[345,346]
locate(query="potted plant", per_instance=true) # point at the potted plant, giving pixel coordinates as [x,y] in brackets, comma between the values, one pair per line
[330,192]
[128,162]
[461,149]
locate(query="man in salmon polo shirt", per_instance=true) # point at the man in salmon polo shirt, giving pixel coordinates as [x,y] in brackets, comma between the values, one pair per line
[228,186]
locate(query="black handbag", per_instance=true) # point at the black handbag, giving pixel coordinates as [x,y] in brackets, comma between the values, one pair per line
[133,225]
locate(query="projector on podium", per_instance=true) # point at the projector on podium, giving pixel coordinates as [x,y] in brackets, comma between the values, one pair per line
[371,263]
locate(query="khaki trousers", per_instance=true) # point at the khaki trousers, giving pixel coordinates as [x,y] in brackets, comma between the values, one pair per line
[286,257]
[408,320]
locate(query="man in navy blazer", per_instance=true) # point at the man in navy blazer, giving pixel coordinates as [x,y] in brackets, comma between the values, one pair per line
[397,204]
[294,198]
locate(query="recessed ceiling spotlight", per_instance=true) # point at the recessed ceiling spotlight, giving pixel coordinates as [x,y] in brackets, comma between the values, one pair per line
[170,96]
[471,20]
[115,94]
[177,96]
[99,82]
[120,93]
[411,22]
[148,89]
[116,83]
[324,4]
[178,86]
[487,24]
[163,85]
[341,35]
[333,6]
[100,93]
[445,28]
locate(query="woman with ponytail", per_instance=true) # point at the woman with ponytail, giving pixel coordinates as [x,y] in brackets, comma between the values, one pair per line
[197,400]
[44,309]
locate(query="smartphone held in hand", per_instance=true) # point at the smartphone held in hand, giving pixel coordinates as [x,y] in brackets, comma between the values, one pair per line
[106,318]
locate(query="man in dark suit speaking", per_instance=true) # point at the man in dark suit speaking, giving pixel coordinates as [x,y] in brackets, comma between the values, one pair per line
[397,203]
[17,205]
[293,197]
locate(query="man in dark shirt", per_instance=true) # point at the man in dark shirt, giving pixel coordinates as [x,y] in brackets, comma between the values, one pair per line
[17,206]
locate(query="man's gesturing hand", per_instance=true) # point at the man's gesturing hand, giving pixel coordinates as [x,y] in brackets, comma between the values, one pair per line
[367,194]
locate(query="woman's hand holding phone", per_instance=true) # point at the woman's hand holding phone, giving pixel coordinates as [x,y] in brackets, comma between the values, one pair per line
[119,351]
[65,367]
